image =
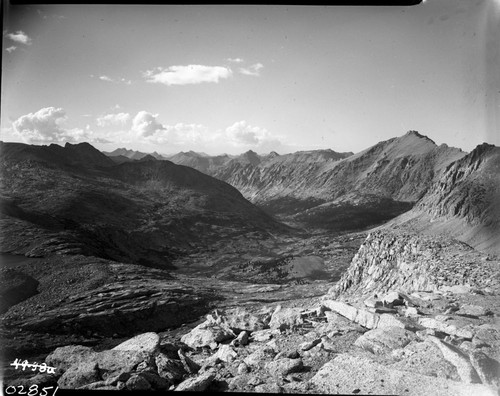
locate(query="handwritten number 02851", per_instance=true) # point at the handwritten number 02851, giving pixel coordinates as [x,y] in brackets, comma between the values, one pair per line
[32,390]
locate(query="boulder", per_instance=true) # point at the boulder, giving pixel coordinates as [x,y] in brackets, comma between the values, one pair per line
[240,319]
[305,346]
[241,340]
[487,368]
[156,382]
[263,335]
[259,356]
[79,375]
[226,353]
[392,299]
[461,361]
[364,318]
[284,366]
[346,374]
[136,382]
[113,362]
[170,369]
[147,342]
[385,339]
[206,334]
[286,318]
[189,364]
[65,357]
[197,384]
[448,328]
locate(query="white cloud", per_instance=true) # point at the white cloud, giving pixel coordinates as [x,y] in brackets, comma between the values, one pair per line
[146,124]
[235,60]
[190,74]
[114,80]
[241,134]
[118,119]
[46,125]
[10,49]
[253,70]
[105,78]
[20,37]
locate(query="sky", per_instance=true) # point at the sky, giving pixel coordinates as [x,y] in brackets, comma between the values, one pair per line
[231,78]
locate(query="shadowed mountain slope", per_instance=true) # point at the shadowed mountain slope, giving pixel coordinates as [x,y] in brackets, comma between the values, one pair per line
[75,200]
[464,202]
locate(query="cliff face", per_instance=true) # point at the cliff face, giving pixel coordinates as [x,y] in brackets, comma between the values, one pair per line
[464,202]
[390,260]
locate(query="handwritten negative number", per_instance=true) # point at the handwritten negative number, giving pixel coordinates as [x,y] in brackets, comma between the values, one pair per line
[32,390]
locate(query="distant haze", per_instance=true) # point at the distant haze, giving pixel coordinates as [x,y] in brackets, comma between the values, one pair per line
[227,79]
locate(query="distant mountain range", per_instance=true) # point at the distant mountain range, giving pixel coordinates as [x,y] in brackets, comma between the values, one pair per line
[76,200]
[409,174]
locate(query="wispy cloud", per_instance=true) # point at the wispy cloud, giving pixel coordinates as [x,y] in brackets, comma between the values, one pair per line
[10,49]
[19,37]
[235,60]
[113,80]
[189,74]
[118,119]
[253,70]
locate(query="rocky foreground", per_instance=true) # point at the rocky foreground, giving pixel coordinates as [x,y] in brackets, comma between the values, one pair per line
[411,316]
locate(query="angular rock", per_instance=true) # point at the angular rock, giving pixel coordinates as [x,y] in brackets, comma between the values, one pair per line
[226,353]
[309,344]
[346,373]
[286,318]
[65,357]
[79,375]
[240,319]
[113,362]
[268,388]
[122,377]
[189,364]
[242,339]
[259,356]
[147,342]
[206,334]
[473,310]
[387,320]
[385,339]
[156,382]
[360,316]
[392,299]
[373,303]
[433,323]
[487,368]
[461,361]
[170,369]
[197,384]
[137,382]
[263,335]
[284,366]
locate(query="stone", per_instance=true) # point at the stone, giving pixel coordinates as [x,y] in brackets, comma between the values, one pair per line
[113,380]
[240,319]
[259,356]
[93,386]
[241,340]
[284,366]
[385,339]
[364,318]
[170,369]
[411,312]
[243,368]
[112,362]
[268,388]
[137,382]
[156,382]
[189,364]
[423,358]
[79,375]
[206,334]
[65,357]
[473,310]
[286,318]
[226,353]
[263,335]
[196,384]
[461,361]
[309,344]
[346,373]
[487,368]
[487,335]
[387,320]
[448,328]
[373,303]
[392,299]
[147,342]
